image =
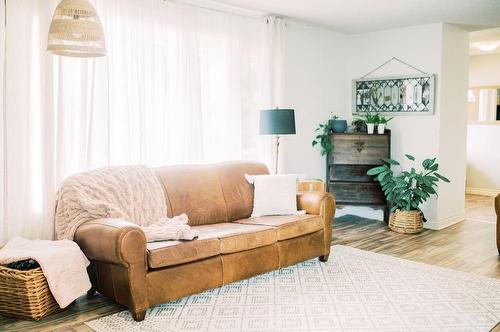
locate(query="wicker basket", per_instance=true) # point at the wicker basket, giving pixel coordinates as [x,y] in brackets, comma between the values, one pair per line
[406,222]
[25,294]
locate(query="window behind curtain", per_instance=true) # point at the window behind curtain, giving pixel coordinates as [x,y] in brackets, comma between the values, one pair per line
[179,85]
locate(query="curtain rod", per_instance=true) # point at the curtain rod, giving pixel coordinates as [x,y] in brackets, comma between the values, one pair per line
[221,8]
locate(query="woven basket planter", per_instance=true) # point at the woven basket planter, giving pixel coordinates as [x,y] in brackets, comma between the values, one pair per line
[25,294]
[406,222]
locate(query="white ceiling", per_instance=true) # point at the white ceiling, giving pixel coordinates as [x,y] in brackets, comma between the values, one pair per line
[357,16]
[484,36]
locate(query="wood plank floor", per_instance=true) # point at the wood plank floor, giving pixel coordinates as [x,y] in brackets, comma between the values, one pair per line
[467,246]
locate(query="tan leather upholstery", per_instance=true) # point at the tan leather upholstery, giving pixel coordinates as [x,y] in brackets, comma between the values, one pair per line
[302,248]
[215,239]
[140,275]
[289,226]
[175,282]
[248,263]
[235,237]
[323,204]
[497,209]
[311,185]
[194,190]
[117,249]
[112,241]
[169,253]
[238,193]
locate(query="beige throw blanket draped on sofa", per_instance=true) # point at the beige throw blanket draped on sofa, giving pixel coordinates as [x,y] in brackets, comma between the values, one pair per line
[131,193]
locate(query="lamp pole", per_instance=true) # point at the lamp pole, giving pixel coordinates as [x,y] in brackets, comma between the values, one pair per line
[277,154]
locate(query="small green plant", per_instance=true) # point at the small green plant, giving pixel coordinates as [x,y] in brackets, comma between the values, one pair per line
[359,125]
[372,118]
[409,189]
[324,131]
[323,138]
[383,120]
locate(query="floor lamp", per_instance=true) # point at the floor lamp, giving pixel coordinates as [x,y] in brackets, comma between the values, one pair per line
[277,122]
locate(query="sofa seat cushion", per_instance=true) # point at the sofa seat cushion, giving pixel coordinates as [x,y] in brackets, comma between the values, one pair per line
[238,237]
[289,226]
[169,253]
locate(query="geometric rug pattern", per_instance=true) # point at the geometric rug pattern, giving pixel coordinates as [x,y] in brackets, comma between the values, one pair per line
[355,290]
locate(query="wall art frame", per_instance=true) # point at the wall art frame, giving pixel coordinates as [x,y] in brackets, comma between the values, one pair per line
[400,95]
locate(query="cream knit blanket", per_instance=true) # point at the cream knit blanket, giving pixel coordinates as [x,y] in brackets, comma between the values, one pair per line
[131,193]
[63,264]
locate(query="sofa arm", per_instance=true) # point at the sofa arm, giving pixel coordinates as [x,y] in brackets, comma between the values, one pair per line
[319,203]
[316,202]
[497,209]
[112,241]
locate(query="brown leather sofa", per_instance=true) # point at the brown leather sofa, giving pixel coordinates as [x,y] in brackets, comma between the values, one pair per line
[218,201]
[497,209]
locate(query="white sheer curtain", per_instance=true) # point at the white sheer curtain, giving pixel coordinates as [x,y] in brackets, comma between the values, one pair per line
[487,104]
[2,113]
[179,85]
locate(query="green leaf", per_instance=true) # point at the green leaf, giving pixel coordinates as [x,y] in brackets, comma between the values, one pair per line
[409,156]
[428,189]
[442,177]
[421,193]
[376,170]
[390,161]
[314,143]
[434,167]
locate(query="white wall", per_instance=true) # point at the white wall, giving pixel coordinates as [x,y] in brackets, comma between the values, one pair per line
[483,160]
[453,123]
[319,68]
[315,85]
[429,48]
[420,46]
[483,164]
[484,70]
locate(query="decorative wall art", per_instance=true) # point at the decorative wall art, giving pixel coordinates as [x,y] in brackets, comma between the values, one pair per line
[395,95]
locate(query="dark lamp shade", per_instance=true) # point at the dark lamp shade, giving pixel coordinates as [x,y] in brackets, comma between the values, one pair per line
[277,122]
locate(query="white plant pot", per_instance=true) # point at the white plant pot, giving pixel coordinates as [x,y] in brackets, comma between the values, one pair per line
[381,128]
[370,127]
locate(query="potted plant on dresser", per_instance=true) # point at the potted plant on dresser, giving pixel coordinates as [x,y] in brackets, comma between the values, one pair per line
[371,121]
[325,130]
[406,191]
[382,124]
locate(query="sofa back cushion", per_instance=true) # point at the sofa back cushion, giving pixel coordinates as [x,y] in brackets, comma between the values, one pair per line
[209,193]
[238,193]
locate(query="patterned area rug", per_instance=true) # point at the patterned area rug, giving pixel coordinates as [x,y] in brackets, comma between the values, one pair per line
[355,290]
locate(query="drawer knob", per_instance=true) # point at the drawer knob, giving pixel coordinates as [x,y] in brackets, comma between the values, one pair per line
[360,145]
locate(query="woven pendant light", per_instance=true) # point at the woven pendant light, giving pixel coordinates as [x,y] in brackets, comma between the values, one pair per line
[76,30]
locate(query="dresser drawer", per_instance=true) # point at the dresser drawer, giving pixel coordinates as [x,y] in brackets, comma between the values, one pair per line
[359,149]
[350,173]
[357,193]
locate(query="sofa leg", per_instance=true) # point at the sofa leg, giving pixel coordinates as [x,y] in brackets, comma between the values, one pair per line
[324,258]
[138,315]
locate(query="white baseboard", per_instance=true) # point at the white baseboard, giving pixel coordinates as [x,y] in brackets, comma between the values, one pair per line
[446,222]
[482,191]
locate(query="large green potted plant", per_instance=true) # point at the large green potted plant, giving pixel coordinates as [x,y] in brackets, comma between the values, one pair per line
[407,190]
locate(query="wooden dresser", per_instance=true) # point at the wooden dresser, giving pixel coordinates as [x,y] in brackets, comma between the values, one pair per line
[352,156]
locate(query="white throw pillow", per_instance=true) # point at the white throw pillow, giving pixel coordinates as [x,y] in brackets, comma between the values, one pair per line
[273,194]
